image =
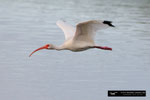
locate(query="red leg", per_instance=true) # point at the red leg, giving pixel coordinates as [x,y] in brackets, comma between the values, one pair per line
[104,48]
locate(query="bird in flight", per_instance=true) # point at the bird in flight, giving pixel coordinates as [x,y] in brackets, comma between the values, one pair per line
[80,38]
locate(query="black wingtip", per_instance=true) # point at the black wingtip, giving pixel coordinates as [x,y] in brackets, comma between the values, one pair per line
[108,23]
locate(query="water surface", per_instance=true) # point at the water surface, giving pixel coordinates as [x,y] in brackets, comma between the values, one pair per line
[51,75]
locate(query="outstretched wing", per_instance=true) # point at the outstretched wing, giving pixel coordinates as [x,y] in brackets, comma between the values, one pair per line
[85,31]
[68,30]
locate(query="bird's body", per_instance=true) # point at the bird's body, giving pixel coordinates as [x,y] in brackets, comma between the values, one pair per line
[76,45]
[80,38]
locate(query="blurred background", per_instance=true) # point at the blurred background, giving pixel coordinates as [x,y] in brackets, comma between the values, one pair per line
[64,75]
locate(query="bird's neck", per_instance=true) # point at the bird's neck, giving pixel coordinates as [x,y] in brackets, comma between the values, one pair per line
[57,47]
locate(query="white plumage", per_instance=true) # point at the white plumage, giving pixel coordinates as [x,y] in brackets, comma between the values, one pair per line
[67,29]
[81,37]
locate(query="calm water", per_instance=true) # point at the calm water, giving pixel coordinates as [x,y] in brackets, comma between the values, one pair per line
[51,75]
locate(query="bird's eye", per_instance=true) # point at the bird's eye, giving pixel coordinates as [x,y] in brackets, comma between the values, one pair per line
[47,45]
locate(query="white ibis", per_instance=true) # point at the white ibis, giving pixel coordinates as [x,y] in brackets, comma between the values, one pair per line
[79,38]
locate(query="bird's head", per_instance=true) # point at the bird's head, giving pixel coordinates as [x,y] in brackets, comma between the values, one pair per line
[47,46]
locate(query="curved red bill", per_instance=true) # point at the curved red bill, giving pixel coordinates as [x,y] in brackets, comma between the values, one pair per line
[43,47]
